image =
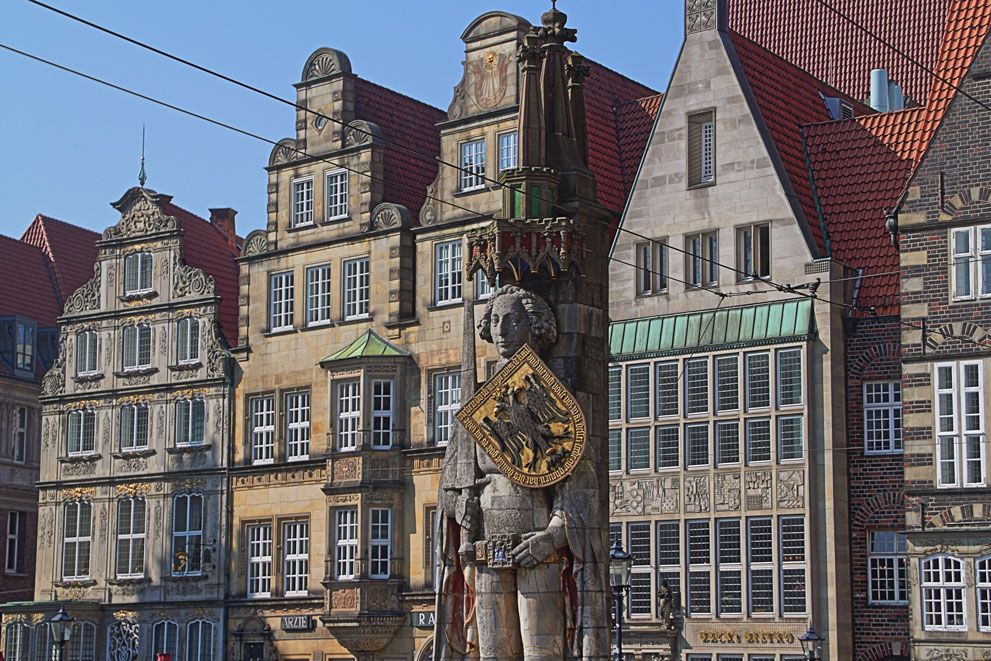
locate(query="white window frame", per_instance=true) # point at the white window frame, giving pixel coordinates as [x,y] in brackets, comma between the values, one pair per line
[137,347]
[84,437]
[766,567]
[16,523]
[132,542]
[24,351]
[720,386]
[280,301]
[379,542]
[17,641]
[87,353]
[318,304]
[21,423]
[448,272]
[640,372]
[199,647]
[357,279]
[382,411]
[778,356]
[296,558]
[166,642]
[779,423]
[189,538]
[942,585]
[665,386]
[883,417]
[982,580]
[259,537]
[698,567]
[652,267]
[447,401]
[970,265]
[134,432]
[188,341]
[697,401]
[508,150]
[641,569]
[262,429]
[887,567]
[336,194]
[190,422]
[302,202]
[753,379]
[348,415]
[472,174]
[345,543]
[143,271]
[729,559]
[702,260]
[791,565]
[80,538]
[955,442]
[297,425]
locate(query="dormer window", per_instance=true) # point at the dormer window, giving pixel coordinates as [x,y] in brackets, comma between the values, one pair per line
[302,202]
[137,273]
[24,353]
[473,165]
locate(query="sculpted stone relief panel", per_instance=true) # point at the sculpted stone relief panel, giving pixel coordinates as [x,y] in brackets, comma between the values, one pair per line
[696,493]
[758,490]
[791,488]
[727,492]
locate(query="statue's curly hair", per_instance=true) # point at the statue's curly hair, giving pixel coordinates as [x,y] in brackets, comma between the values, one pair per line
[543,325]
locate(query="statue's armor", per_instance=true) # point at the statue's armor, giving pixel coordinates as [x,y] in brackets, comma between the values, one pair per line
[507,507]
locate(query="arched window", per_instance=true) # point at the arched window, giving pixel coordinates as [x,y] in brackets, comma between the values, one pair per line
[984,593]
[166,639]
[199,641]
[188,337]
[137,347]
[86,352]
[18,644]
[82,644]
[942,594]
[137,273]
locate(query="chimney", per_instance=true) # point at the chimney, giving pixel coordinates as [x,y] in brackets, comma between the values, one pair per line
[896,100]
[223,219]
[879,90]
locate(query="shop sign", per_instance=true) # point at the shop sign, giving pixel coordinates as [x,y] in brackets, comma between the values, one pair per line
[747,636]
[422,619]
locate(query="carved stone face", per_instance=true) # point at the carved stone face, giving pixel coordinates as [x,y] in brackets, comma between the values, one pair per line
[510,325]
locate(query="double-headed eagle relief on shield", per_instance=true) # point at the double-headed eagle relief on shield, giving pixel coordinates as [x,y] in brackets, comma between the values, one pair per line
[527,422]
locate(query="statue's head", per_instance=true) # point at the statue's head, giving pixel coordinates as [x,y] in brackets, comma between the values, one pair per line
[514,317]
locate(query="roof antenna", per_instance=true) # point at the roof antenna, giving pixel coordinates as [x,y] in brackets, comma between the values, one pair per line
[142,176]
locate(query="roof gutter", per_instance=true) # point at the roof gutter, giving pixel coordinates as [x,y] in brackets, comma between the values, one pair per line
[815,194]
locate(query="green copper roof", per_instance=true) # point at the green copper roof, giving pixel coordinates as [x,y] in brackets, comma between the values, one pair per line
[369,345]
[727,328]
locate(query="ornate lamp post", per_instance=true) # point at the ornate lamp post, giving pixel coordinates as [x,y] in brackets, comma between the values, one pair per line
[812,644]
[61,624]
[619,580]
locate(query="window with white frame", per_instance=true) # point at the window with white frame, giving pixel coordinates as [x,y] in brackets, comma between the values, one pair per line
[942,594]
[318,295]
[296,558]
[507,151]
[130,537]
[133,427]
[701,257]
[652,267]
[959,424]
[260,560]
[615,449]
[730,589]
[792,543]
[882,417]
[337,194]
[189,422]
[753,255]
[758,380]
[971,259]
[348,415]
[447,272]
[21,425]
[379,542]
[356,288]
[137,347]
[17,646]
[699,563]
[983,567]
[24,351]
[187,534]
[760,538]
[758,440]
[86,352]
[789,377]
[727,380]
[346,543]
[641,577]
[165,639]
[615,393]
[483,289]
[669,555]
[81,437]
[668,450]
[77,537]
[16,532]
[302,202]
[137,273]
[696,386]
[638,448]
[638,392]
[472,165]
[298,426]
[188,336]
[668,375]
[280,301]
[199,641]
[697,445]
[702,148]
[727,442]
[262,430]
[447,401]
[791,445]
[381,414]
[887,567]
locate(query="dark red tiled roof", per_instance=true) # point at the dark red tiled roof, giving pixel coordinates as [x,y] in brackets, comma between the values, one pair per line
[29,283]
[832,49]
[70,249]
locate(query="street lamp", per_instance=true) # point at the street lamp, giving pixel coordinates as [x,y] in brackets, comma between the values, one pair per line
[61,625]
[811,644]
[619,580]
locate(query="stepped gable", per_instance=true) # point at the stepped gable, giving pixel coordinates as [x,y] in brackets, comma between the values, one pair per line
[71,251]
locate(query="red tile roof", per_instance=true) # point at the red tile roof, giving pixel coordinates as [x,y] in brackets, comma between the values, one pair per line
[832,49]
[29,289]
[71,250]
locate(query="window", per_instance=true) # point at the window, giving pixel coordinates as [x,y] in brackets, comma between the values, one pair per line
[381,415]
[699,577]
[472,165]
[302,202]
[483,289]
[16,537]
[379,542]
[429,543]
[18,642]
[730,567]
[696,386]
[638,543]
[761,545]
[447,401]
[262,430]
[792,564]
[942,594]
[615,393]
[346,543]
[348,415]
[638,448]
[790,443]
[702,255]
[260,560]
[134,427]
[887,567]
[280,305]
[697,445]
[754,251]
[189,423]
[130,538]
[137,273]
[702,148]
[356,288]
[199,641]
[21,424]
[758,380]
[789,377]
[76,540]
[25,346]
[165,639]
[667,389]
[638,391]
[187,535]
[652,265]
[959,424]
[727,379]
[296,561]
[882,417]
[727,443]
[82,644]
[86,353]
[337,194]
[507,151]
[668,446]
[447,272]
[615,449]
[188,333]
[137,347]
[298,426]
[669,557]
[971,266]
[983,593]
[318,295]
[81,432]
[758,440]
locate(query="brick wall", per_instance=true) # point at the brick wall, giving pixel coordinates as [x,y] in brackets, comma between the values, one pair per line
[19,586]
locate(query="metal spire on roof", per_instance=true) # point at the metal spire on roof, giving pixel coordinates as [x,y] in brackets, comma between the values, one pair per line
[142,175]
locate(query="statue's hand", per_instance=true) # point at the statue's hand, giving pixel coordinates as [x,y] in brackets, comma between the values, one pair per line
[538,546]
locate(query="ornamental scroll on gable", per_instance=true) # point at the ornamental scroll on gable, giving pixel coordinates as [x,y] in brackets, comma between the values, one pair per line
[190,281]
[141,212]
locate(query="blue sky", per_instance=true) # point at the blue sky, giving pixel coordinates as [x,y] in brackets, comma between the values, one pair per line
[68,146]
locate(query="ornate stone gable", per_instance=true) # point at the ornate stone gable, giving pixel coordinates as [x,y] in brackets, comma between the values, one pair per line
[86,297]
[190,281]
[141,212]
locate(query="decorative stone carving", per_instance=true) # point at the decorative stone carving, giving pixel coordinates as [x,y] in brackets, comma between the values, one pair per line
[123,640]
[700,15]
[191,281]
[325,62]
[133,489]
[46,527]
[79,493]
[428,212]
[346,599]
[216,359]
[379,598]
[141,213]
[360,132]
[791,488]
[485,84]
[758,485]
[86,297]
[696,493]
[286,150]
[388,215]
[79,469]
[346,469]
[255,243]
[946,654]
[652,495]
[54,381]
[727,492]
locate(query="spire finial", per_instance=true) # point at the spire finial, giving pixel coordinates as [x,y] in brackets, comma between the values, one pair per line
[142,176]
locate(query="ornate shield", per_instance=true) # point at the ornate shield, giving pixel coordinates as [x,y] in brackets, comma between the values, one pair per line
[527,422]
